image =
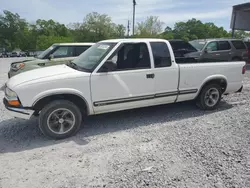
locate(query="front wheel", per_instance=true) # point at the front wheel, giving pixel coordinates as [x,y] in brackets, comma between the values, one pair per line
[60,119]
[209,97]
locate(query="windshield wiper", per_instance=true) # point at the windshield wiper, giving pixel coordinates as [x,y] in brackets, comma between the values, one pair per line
[72,65]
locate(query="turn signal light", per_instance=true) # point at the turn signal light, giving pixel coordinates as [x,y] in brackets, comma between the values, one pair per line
[14,103]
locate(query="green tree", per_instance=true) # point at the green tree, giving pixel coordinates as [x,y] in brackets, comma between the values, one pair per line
[43,42]
[151,27]
[119,31]
[12,29]
[98,26]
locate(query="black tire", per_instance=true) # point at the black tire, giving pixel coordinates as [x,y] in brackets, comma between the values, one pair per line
[201,99]
[53,107]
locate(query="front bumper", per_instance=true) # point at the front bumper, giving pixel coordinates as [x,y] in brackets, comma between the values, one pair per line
[18,112]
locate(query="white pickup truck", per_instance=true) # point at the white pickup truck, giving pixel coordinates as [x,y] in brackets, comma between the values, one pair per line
[116,75]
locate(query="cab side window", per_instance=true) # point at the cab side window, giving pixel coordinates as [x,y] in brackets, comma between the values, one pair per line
[131,56]
[63,51]
[161,54]
[212,46]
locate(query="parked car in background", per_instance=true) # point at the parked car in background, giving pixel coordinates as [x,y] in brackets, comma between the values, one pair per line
[3,53]
[181,47]
[116,75]
[14,54]
[210,50]
[248,47]
[54,55]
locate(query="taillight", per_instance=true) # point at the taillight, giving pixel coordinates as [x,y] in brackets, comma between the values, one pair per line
[244,69]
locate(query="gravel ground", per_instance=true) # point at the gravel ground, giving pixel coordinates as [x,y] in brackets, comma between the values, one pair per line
[165,146]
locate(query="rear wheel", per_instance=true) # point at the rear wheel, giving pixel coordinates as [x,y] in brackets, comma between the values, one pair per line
[209,97]
[60,119]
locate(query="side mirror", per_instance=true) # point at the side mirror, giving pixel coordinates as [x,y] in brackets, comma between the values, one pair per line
[208,50]
[51,56]
[108,66]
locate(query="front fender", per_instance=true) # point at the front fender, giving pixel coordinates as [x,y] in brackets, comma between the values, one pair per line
[52,92]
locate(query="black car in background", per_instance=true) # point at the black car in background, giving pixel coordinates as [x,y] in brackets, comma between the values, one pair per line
[248,48]
[181,47]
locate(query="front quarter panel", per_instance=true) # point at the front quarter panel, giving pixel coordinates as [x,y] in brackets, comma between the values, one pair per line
[31,93]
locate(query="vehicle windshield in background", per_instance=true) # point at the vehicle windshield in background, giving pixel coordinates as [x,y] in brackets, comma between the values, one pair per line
[180,47]
[93,56]
[199,45]
[46,52]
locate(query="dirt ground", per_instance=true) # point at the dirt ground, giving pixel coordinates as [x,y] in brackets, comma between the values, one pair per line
[173,145]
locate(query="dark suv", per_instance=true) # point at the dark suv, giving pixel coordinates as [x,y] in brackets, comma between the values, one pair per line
[210,50]
[248,47]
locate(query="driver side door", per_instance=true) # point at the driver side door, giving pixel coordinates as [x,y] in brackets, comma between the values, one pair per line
[127,84]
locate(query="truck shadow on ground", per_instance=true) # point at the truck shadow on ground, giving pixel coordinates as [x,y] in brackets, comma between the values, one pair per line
[18,135]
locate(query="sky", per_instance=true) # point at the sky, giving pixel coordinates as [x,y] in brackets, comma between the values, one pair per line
[168,11]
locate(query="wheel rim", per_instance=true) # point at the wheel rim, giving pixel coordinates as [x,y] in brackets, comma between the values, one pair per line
[211,97]
[61,121]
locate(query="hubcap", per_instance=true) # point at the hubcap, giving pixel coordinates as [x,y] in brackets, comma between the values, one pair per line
[211,97]
[61,121]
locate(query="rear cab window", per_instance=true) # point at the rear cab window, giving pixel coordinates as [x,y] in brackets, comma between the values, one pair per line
[161,54]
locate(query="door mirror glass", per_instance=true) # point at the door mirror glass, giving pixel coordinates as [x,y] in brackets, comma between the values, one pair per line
[208,49]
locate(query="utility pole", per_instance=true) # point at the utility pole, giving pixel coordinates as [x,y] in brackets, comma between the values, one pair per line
[134,4]
[128,30]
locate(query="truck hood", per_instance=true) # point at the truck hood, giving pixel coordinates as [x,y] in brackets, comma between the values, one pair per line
[26,60]
[193,54]
[43,74]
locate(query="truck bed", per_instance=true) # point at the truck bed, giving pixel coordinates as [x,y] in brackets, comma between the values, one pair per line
[192,74]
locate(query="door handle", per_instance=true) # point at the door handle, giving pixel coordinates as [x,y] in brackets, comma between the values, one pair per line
[150,76]
[217,54]
[41,64]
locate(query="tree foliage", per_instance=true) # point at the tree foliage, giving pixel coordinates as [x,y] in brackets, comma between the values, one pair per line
[16,32]
[151,27]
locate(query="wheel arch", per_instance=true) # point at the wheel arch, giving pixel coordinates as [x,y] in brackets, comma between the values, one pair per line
[76,98]
[217,79]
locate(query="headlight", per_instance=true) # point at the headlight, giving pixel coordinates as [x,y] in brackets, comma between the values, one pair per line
[9,93]
[17,66]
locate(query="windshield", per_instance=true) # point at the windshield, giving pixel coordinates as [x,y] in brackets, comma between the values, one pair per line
[180,45]
[44,53]
[199,45]
[91,58]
